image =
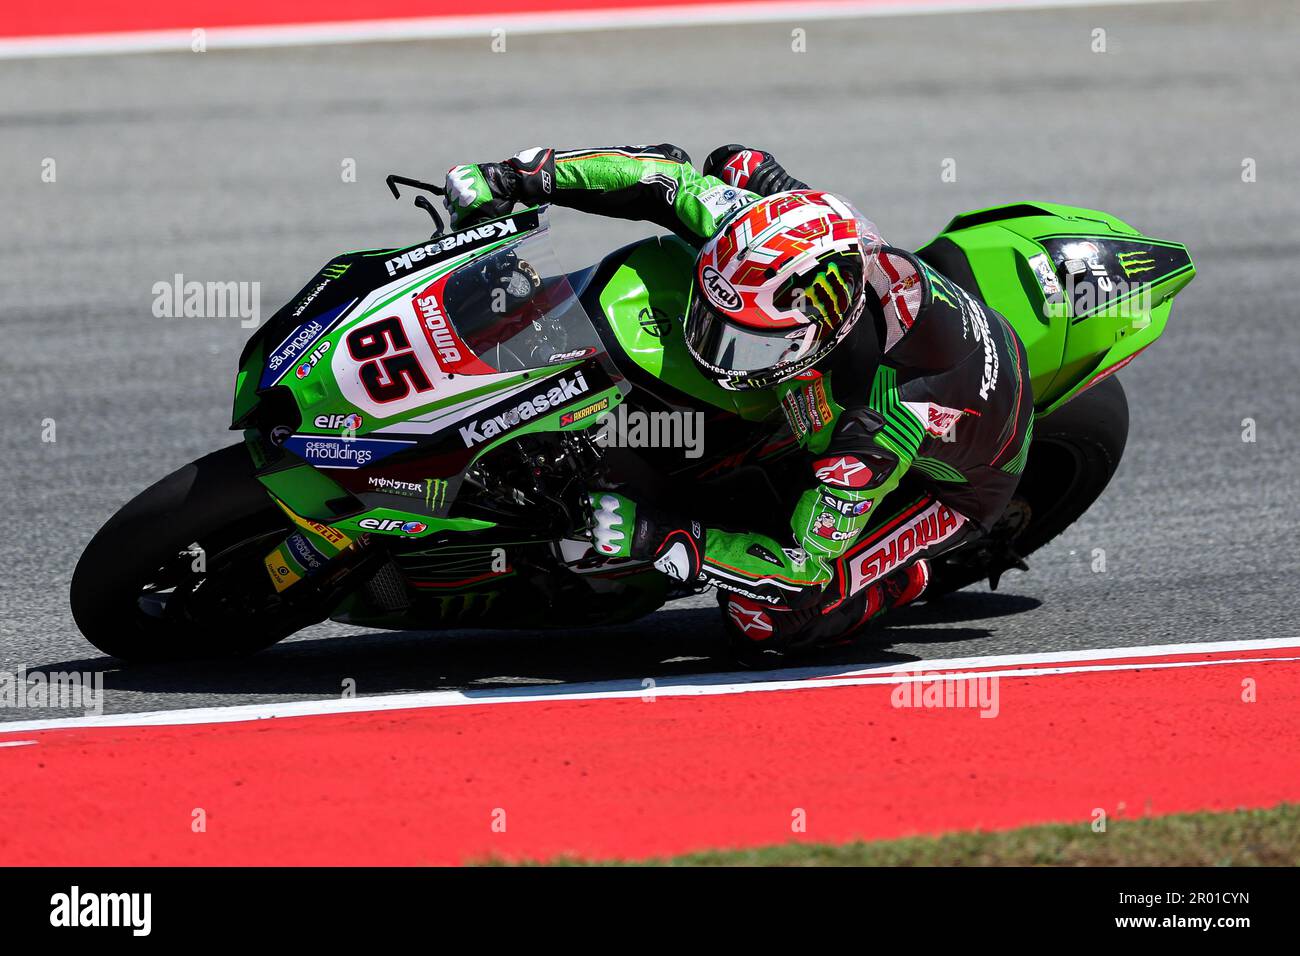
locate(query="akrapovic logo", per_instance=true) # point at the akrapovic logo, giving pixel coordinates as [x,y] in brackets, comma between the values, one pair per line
[567,388]
[719,291]
[466,237]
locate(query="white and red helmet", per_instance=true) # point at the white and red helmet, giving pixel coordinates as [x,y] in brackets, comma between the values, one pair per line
[778,286]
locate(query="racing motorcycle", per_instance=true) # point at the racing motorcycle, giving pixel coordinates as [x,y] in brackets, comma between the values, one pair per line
[421,424]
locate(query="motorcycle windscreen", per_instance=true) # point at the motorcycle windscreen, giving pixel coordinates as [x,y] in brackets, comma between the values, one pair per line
[508,310]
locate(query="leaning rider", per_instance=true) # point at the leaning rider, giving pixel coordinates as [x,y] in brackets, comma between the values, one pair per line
[885,369]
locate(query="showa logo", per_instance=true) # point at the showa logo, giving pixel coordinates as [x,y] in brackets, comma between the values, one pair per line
[948,691]
[66,690]
[179,299]
[624,428]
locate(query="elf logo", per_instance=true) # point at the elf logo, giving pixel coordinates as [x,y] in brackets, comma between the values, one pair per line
[566,389]
[305,368]
[341,422]
[392,525]
[437,330]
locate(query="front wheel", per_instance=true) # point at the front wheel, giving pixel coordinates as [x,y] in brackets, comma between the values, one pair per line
[1074,453]
[178,572]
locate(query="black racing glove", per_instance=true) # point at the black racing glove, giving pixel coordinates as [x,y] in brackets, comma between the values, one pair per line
[751,169]
[479,191]
[623,529]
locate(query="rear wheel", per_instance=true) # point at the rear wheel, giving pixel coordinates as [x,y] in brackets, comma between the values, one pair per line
[178,572]
[1072,458]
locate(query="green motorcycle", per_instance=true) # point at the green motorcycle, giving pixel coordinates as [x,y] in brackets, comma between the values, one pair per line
[421,426]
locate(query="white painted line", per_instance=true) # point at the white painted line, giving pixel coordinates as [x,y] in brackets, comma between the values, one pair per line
[17,743]
[1094,654]
[426,28]
[697,685]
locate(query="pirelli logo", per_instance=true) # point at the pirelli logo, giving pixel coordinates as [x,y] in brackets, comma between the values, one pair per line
[333,536]
[595,408]
[820,401]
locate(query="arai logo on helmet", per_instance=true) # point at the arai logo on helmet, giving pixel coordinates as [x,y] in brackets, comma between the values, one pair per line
[718,290]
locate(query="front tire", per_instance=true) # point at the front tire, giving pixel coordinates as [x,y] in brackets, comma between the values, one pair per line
[142,592]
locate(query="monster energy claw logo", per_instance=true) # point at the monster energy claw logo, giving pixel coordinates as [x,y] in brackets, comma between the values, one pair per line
[435,492]
[827,296]
[1135,263]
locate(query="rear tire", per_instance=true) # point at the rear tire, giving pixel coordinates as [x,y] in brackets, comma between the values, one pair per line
[1075,452]
[136,592]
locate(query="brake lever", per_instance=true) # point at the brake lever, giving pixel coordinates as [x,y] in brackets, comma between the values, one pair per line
[422,202]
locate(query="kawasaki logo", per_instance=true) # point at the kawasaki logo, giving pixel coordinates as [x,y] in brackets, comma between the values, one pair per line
[979,327]
[431,250]
[565,390]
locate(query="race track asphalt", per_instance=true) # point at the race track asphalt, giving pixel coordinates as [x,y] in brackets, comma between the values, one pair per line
[227,166]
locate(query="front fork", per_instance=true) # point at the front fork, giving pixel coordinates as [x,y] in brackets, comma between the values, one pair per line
[318,565]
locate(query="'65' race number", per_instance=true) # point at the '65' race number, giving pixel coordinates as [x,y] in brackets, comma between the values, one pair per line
[388,369]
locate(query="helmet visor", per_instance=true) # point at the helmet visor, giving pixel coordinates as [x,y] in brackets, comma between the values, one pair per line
[728,348]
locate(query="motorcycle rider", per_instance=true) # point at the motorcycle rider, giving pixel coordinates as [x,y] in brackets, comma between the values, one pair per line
[889,375]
